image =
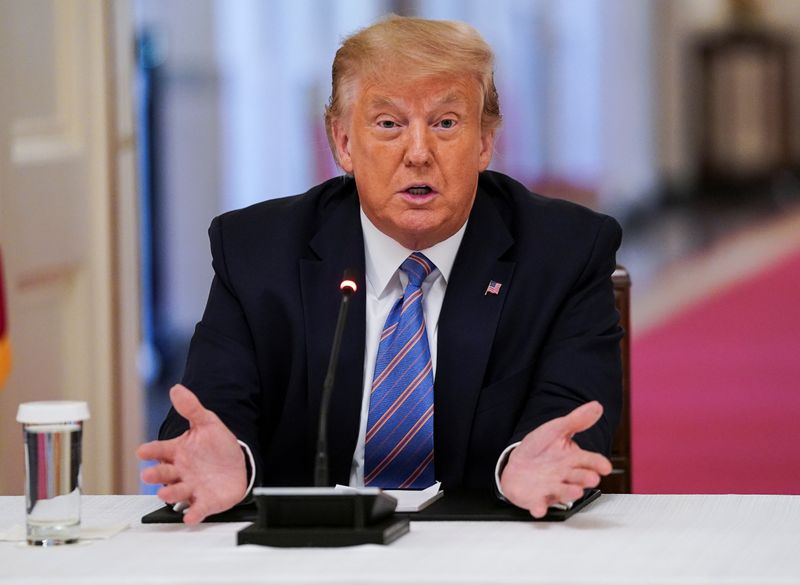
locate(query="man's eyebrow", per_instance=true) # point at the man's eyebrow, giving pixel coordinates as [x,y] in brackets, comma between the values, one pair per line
[381,101]
[451,98]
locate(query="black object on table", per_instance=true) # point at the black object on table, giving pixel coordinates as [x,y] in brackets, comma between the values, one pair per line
[452,506]
[323,517]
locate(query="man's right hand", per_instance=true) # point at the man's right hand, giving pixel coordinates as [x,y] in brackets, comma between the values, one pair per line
[204,467]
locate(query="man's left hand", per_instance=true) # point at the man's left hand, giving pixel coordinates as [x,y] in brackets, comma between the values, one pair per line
[548,467]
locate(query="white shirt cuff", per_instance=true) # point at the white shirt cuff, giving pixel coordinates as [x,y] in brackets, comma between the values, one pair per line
[501,465]
[183,506]
[252,462]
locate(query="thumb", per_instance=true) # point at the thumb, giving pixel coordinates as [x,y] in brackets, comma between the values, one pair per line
[188,405]
[581,418]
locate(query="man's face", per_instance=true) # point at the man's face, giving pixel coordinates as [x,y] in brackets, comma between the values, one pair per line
[415,149]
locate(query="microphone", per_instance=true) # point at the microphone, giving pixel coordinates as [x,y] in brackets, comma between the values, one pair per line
[323,516]
[348,287]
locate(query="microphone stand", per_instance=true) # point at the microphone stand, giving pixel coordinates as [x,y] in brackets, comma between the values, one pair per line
[348,288]
[323,516]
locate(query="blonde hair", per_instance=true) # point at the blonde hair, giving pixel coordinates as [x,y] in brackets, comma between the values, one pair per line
[423,48]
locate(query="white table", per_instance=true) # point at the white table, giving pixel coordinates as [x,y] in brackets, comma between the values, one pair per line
[618,539]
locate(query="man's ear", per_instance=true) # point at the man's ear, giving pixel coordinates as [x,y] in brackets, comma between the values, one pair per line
[341,141]
[487,148]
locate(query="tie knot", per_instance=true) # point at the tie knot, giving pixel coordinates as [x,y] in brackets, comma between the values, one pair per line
[417,267]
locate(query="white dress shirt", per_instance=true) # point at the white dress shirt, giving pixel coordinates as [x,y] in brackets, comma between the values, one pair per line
[385,284]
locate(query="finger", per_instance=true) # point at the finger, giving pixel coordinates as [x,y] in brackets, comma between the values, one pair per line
[176,492]
[580,419]
[157,450]
[582,477]
[544,504]
[566,492]
[552,501]
[538,508]
[188,405]
[559,494]
[162,473]
[592,461]
[196,513]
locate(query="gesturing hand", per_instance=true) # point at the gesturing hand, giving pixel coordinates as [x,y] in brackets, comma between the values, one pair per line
[204,466]
[548,467]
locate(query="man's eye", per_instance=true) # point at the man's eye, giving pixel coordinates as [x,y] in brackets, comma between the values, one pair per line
[447,123]
[387,124]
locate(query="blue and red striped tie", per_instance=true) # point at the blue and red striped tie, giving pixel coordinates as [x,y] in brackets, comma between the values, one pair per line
[399,442]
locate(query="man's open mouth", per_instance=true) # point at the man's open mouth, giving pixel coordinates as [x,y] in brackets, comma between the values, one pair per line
[419,190]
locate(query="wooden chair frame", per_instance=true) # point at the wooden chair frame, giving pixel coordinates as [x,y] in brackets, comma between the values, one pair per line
[620,479]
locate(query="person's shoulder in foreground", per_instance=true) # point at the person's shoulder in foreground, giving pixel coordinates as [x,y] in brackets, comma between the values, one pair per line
[530,213]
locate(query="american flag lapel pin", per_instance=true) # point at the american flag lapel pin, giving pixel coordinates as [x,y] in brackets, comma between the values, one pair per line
[493,288]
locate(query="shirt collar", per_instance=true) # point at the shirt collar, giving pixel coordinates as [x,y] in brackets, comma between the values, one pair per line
[384,255]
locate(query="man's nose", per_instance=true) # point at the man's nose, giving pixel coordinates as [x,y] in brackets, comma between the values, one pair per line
[418,149]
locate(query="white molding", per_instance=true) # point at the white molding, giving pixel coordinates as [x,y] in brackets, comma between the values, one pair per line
[56,135]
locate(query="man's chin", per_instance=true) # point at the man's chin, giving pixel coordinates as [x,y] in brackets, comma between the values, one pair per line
[419,233]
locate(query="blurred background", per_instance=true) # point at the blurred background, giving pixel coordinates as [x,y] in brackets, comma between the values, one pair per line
[130,124]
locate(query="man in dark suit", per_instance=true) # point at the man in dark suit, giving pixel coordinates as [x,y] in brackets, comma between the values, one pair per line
[511,344]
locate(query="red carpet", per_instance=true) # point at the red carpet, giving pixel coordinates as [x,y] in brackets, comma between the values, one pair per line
[716,392]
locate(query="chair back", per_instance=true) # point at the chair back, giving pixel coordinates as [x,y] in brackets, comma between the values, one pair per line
[619,482]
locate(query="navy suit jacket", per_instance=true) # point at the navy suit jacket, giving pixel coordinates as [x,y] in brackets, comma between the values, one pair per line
[548,342]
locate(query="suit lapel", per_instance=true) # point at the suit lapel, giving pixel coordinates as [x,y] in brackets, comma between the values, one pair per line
[338,245]
[466,328]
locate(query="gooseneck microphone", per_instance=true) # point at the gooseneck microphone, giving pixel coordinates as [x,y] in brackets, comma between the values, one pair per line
[347,287]
[322,516]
